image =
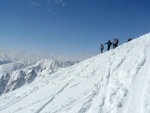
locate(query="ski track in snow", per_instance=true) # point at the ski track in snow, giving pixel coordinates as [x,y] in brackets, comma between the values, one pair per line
[12,102]
[35,103]
[43,106]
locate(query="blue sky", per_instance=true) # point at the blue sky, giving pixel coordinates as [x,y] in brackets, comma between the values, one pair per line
[70,27]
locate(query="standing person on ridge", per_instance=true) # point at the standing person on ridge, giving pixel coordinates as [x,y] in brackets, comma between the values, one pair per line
[114,43]
[117,41]
[109,44]
[102,48]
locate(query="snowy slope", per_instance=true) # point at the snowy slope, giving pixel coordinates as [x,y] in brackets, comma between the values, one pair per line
[117,81]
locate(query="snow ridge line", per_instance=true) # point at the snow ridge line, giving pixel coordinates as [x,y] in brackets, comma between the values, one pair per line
[48,102]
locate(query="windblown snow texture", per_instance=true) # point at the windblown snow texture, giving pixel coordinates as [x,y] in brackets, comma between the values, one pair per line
[117,81]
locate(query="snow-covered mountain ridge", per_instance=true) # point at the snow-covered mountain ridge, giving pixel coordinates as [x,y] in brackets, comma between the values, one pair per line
[14,74]
[117,81]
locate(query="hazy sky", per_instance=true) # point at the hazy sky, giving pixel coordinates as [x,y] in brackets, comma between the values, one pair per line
[70,27]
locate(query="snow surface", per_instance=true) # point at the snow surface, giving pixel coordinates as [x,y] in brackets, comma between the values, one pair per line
[117,81]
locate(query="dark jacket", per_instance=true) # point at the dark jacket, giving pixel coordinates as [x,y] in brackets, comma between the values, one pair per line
[109,44]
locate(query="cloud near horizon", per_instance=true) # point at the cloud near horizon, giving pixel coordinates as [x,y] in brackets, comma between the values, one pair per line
[49,2]
[35,4]
[62,2]
[40,3]
[58,2]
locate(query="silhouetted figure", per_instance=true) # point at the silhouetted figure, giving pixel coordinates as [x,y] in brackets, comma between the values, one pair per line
[109,44]
[129,39]
[102,48]
[115,42]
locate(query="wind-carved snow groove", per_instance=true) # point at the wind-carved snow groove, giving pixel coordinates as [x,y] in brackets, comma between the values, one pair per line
[48,102]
